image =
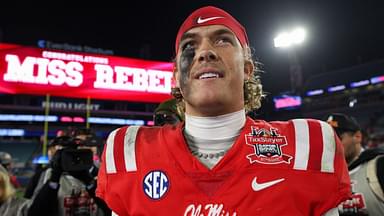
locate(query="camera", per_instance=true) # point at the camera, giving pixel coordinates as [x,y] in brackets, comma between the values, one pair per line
[73,156]
[73,160]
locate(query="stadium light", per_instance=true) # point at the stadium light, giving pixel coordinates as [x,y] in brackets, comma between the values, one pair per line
[287,39]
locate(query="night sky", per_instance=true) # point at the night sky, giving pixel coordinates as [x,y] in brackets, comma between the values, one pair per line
[340,33]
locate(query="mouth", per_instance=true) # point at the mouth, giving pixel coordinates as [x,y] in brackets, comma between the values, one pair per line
[208,73]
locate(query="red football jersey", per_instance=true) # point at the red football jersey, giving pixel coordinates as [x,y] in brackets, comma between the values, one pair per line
[274,168]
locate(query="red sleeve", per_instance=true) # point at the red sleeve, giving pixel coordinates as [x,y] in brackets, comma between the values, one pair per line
[101,178]
[103,190]
[342,171]
[342,180]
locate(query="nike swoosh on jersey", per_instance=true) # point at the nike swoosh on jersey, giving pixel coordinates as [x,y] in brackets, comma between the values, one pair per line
[201,20]
[260,186]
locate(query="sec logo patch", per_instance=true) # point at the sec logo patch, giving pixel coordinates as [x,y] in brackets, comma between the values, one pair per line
[156,184]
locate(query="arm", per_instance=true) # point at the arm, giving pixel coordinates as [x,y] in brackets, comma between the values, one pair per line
[45,202]
[106,189]
[33,183]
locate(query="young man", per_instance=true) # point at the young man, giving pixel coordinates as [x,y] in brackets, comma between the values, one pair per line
[366,168]
[220,162]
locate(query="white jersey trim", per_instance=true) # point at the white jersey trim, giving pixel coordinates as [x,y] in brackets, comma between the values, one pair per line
[329,148]
[129,148]
[302,144]
[109,156]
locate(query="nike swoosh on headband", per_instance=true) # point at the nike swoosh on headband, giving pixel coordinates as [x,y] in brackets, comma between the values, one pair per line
[201,20]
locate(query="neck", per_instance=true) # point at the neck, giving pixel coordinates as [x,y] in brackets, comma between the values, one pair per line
[209,138]
[215,127]
[355,156]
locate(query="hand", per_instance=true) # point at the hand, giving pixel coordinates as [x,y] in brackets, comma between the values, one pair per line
[55,163]
[94,170]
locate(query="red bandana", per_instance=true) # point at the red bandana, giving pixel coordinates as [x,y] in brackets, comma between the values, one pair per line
[212,16]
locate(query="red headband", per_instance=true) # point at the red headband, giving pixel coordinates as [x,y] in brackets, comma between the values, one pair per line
[212,16]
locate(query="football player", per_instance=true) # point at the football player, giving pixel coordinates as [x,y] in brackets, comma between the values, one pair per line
[219,162]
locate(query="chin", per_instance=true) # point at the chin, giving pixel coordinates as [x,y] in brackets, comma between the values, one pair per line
[209,96]
[210,102]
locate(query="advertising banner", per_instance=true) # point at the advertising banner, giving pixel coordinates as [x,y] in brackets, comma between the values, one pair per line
[27,70]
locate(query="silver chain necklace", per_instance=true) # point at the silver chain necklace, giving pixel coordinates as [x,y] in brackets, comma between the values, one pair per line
[208,155]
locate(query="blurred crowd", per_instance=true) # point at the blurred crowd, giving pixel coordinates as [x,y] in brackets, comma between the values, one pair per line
[63,186]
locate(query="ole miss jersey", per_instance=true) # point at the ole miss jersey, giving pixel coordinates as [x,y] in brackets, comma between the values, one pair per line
[273,168]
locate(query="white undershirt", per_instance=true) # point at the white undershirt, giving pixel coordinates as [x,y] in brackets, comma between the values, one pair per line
[213,135]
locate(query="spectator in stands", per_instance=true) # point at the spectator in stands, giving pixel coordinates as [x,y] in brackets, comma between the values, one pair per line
[10,205]
[167,113]
[66,189]
[7,162]
[366,168]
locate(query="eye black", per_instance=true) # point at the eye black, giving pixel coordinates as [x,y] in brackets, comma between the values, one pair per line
[188,45]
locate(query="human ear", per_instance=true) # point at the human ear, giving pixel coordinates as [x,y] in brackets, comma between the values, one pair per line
[358,136]
[248,68]
[176,75]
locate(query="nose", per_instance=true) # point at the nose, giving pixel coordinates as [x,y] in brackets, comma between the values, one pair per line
[206,53]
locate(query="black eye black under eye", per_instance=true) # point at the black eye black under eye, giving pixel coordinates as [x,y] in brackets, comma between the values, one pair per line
[187,45]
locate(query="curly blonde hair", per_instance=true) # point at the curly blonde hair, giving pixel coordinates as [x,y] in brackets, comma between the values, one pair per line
[253,89]
[6,186]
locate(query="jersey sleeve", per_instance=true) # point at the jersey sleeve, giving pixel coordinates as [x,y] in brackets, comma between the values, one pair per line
[319,152]
[340,168]
[107,169]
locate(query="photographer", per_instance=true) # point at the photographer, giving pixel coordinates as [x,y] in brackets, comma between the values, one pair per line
[67,187]
[52,147]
